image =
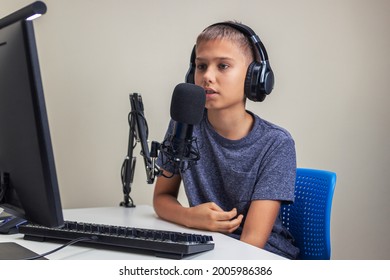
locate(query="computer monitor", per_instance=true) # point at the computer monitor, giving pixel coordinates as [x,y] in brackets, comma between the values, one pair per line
[29,186]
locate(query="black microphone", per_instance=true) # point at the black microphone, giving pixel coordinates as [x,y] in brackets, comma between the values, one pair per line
[187,107]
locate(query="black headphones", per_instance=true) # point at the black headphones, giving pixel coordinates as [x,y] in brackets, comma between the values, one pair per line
[259,80]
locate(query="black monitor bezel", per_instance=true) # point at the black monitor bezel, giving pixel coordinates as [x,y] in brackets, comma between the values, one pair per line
[38,202]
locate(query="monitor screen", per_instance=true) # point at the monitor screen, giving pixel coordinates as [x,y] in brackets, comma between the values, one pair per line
[29,186]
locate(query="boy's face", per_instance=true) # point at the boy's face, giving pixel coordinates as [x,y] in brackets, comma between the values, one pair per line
[221,68]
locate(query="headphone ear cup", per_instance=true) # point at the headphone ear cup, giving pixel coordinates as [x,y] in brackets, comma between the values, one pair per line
[190,76]
[252,88]
[248,81]
[259,81]
[269,80]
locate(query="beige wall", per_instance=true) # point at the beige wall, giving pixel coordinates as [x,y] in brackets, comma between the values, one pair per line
[332,92]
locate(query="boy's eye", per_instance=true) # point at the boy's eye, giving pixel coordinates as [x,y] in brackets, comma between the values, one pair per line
[223,66]
[201,66]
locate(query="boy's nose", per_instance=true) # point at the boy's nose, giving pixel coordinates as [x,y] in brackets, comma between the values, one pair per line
[209,76]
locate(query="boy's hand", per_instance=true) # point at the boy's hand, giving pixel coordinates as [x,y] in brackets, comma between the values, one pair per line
[209,216]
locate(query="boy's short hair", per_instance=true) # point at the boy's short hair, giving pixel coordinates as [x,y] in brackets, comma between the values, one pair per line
[221,31]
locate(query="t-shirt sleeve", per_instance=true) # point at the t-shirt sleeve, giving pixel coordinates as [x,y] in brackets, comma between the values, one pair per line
[276,178]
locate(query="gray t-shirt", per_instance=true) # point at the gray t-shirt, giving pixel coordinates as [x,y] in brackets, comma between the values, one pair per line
[232,173]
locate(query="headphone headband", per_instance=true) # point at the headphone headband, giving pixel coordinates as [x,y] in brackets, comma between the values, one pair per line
[250,34]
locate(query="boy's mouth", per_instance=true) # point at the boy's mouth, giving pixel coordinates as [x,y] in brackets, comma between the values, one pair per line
[209,91]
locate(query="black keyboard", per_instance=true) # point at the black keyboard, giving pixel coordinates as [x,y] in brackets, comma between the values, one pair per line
[167,244]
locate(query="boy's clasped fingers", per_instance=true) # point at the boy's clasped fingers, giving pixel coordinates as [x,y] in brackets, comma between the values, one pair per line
[211,217]
[229,221]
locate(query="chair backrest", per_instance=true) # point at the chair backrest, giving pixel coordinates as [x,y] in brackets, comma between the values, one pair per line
[308,218]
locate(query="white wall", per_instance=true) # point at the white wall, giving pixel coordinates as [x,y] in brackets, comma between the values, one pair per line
[332,78]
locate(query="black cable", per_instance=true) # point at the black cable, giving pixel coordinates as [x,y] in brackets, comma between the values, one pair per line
[134,114]
[134,131]
[127,199]
[81,239]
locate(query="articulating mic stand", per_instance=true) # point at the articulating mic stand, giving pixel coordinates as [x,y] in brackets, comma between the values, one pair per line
[138,132]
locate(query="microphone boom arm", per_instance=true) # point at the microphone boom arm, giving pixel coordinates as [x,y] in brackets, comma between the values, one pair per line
[138,132]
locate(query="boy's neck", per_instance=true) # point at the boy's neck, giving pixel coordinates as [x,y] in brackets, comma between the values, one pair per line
[231,126]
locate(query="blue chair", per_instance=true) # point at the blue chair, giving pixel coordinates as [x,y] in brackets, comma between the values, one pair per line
[308,218]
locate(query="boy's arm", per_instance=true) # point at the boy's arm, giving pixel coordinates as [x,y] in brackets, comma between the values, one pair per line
[206,216]
[259,222]
[165,201]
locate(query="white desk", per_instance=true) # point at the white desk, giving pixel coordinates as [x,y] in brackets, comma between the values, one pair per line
[142,216]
